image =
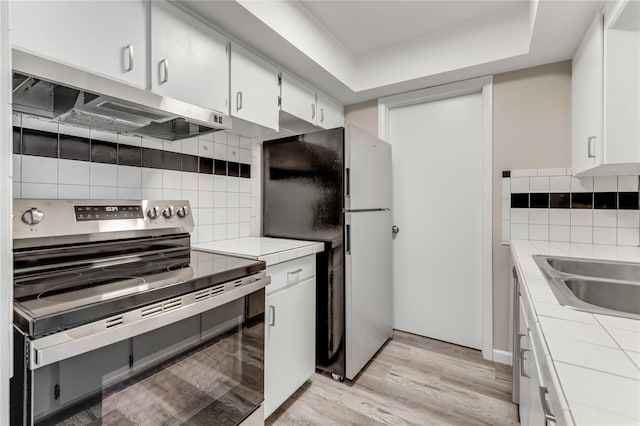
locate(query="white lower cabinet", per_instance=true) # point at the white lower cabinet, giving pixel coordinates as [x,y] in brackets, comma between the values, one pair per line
[540,402]
[290,310]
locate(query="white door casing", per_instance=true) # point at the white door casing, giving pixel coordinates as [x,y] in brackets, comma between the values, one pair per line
[442,204]
[6,256]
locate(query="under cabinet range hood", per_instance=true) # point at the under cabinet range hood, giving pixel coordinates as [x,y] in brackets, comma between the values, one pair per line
[68,95]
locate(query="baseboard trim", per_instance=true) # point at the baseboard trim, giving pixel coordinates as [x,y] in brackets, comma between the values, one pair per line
[503,357]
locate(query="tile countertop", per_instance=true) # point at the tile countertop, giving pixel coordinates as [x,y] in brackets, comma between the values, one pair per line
[271,250]
[596,357]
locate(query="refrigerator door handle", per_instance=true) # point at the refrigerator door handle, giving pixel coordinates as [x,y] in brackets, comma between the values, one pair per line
[347,239]
[347,184]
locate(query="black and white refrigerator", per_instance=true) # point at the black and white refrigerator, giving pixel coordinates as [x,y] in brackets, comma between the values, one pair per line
[334,186]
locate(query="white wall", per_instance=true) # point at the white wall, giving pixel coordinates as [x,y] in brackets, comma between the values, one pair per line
[6,289]
[531,129]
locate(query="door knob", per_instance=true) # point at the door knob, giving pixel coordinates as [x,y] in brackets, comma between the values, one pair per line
[395,230]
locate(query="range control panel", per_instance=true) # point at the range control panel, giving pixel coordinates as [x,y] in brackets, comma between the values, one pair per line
[92,218]
[108,212]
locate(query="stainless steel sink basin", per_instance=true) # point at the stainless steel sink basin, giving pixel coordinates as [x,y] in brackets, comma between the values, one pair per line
[601,287]
[613,295]
[595,268]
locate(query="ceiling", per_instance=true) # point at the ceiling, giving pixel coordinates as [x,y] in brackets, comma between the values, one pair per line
[357,50]
[383,24]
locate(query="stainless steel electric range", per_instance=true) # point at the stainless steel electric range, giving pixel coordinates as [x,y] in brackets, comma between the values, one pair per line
[118,321]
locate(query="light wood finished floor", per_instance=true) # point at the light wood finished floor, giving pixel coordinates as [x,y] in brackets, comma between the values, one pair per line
[413,380]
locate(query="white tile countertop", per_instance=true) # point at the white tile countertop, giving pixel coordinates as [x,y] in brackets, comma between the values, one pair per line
[271,250]
[596,357]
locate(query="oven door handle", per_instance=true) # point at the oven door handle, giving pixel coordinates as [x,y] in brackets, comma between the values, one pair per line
[85,338]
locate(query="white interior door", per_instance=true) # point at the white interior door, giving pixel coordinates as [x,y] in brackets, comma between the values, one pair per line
[437,205]
[367,287]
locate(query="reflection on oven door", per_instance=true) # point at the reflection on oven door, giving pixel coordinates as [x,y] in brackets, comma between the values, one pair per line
[203,370]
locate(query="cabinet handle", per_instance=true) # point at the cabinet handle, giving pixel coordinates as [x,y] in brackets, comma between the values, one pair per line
[522,372]
[520,336]
[238,101]
[548,415]
[297,271]
[165,68]
[130,51]
[322,115]
[313,111]
[272,316]
[591,146]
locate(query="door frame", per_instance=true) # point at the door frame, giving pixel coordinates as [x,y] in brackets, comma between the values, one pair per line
[483,85]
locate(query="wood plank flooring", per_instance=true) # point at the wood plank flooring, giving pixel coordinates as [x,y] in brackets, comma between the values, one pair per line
[413,380]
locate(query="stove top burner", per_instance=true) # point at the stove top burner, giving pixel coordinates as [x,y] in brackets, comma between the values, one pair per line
[30,286]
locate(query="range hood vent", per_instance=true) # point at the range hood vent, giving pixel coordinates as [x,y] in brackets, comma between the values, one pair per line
[67,95]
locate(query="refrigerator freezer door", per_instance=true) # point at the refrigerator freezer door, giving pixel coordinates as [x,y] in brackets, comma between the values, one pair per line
[303,187]
[367,286]
[367,171]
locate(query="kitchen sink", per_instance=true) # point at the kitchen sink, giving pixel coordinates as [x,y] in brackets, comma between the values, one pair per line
[595,286]
[596,268]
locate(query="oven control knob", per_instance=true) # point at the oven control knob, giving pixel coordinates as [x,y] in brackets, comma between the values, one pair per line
[169,212]
[153,212]
[33,216]
[183,211]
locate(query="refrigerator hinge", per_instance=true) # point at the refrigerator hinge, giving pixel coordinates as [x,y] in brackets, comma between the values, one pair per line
[279,79]
[280,101]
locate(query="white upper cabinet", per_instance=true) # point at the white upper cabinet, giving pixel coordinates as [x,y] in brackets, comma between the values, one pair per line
[301,102]
[298,99]
[189,60]
[622,83]
[586,99]
[606,93]
[330,113]
[254,89]
[103,37]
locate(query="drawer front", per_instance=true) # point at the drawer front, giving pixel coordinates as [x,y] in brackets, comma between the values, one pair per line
[287,274]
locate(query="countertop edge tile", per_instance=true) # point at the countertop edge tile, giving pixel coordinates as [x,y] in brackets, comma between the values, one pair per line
[271,250]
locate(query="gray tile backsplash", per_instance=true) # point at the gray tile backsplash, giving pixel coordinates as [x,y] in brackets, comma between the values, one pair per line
[54,160]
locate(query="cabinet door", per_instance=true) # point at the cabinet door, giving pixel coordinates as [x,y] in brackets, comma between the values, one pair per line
[102,37]
[290,339]
[622,83]
[330,113]
[298,99]
[189,60]
[587,99]
[254,88]
[536,412]
[525,368]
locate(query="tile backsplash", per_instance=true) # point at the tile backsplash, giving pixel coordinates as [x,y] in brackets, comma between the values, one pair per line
[553,205]
[218,173]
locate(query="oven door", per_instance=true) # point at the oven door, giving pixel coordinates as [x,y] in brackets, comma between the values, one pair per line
[202,369]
